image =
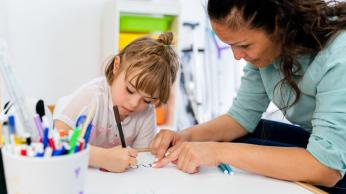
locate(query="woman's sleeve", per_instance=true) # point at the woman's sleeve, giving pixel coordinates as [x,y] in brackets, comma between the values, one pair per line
[251,100]
[147,129]
[327,142]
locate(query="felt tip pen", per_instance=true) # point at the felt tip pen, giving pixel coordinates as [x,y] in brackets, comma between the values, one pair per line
[74,139]
[12,124]
[227,168]
[120,128]
[222,168]
[38,124]
[87,134]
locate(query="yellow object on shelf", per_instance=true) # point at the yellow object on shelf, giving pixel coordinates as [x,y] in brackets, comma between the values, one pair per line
[126,38]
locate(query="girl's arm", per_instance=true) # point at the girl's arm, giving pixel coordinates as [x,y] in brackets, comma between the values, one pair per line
[116,159]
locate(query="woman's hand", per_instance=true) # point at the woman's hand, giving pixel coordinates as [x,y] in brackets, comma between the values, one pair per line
[166,141]
[118,159]
[189,156]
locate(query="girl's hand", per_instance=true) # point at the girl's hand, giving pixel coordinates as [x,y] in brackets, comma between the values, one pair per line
[164,142]
[189,156]
[118,159]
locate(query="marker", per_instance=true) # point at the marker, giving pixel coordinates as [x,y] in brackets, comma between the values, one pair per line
[226,169]
[45,138]
[222,168]
[74,139]
[80,121]
[229,169]
[38,124]
[81,145]
[87,134]
[120,128]
[6,133]
[12,124]
[23,152]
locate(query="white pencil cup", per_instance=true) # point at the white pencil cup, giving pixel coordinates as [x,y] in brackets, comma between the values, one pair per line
[54,175]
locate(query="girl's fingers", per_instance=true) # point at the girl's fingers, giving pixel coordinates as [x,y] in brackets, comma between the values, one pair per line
[169,158]
[132,161]
[132,152]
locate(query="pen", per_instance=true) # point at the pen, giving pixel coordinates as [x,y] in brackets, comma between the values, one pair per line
[80,121]
[120,129]
[74,139]
[39,125]
[45,138]
[87,134]
[12,124]
[6,132]
[222,168]
[230,170]
[226,169]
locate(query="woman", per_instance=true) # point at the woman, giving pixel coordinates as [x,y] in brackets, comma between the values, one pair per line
[296,58]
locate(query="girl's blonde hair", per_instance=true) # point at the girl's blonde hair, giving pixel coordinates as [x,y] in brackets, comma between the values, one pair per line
[154,62]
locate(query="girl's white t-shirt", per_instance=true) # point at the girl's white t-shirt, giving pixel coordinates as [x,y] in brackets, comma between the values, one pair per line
[139,128]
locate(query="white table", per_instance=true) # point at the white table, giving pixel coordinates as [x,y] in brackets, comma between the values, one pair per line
[169,180]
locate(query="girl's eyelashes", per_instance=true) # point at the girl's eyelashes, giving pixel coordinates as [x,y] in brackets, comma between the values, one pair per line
[132,92]
[129,91]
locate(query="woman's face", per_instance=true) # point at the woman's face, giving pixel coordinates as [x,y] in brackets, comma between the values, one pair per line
[254,46]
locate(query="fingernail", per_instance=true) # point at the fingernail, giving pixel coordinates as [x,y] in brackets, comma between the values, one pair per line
[156,159]
[167,153]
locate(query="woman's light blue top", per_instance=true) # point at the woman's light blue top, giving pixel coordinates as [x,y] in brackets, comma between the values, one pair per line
[321,108]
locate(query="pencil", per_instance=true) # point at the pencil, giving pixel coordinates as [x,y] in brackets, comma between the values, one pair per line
[120,129]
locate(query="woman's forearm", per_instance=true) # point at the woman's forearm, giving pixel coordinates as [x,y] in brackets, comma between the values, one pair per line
[222,128]
[293,164]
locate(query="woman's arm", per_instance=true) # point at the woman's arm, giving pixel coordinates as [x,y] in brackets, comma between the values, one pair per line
[222,128]
[293,164]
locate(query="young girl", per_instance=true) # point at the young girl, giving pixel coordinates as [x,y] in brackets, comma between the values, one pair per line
[136,80]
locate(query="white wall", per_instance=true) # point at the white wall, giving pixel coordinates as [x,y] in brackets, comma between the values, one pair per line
[55,44]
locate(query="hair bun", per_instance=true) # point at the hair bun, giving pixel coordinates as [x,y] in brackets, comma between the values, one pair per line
[166,38]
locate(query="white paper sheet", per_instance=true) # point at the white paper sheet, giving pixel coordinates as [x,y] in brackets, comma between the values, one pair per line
[169,180]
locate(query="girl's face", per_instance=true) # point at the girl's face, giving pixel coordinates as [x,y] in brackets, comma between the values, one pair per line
[127,97]
[254,46]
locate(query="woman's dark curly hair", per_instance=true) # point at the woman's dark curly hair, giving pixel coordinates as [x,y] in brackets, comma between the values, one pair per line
[303,27]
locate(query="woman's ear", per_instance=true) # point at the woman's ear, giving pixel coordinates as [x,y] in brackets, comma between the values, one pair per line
[116,64]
